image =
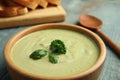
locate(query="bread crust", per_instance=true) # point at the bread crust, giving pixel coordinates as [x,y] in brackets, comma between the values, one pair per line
[54,2]
[32,4]
[43,3]
[8,11]
[10,8]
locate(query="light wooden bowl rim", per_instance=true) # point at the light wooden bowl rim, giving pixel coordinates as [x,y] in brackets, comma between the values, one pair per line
[59,26]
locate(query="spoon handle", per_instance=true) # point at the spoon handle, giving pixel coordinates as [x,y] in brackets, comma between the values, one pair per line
[110,43]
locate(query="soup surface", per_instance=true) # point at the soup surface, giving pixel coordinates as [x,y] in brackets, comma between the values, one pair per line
[82,53]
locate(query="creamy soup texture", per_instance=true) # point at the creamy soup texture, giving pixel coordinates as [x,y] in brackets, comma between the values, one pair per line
[82,53]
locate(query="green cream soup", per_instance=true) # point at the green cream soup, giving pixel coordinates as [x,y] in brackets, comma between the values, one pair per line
[82,53]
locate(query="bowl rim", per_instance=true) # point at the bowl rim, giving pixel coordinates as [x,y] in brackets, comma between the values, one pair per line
[24,32]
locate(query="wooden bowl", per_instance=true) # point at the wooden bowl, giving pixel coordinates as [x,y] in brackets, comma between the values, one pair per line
[90,74]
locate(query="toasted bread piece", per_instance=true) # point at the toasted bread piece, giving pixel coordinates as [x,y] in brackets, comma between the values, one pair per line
[22,10]
[9,8]
[54,2]
[1,9]
[43,3]
[13,11]
[8,11]
[9,3]
[32,4]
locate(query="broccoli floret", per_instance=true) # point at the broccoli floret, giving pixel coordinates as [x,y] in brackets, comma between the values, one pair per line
[38,54]
[53,58]
[58,47]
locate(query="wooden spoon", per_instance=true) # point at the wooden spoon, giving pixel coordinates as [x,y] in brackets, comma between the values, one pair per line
[94,23]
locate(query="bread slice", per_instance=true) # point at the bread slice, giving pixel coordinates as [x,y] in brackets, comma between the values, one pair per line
[8,11]
[22,10]
[13,11]
[32,4]
[9,8]
[1,9]
[54,2]
[43,3]
[9,3]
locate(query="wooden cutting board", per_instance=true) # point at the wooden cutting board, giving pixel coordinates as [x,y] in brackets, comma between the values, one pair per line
[50,14]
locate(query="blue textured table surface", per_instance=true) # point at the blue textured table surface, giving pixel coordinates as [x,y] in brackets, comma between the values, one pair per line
[107,10]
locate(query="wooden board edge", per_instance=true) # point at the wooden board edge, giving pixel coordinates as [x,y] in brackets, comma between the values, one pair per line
[52,14]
